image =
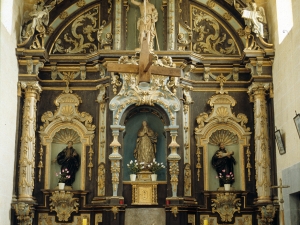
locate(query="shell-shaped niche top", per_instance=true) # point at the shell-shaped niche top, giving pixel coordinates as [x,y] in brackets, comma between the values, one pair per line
[67,111]
[65,135]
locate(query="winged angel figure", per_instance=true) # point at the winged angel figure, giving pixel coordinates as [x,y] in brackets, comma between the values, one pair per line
[255,18]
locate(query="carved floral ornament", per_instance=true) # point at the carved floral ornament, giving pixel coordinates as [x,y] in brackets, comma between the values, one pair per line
[209,37]
[63,204]
[226,204]
[76,41]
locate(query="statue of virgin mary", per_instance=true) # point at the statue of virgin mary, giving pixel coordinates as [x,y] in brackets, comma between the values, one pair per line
[145,148]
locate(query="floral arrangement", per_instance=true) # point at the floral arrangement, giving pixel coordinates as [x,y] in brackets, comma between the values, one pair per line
[227,179]
[63,176]
[155,166]
[135,167]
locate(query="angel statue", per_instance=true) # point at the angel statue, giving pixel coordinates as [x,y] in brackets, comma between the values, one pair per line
[36,20]
[255,18]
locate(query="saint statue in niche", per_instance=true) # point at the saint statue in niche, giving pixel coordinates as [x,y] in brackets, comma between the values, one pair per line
[145,148]
[146,23]
[68,158]
[223,162]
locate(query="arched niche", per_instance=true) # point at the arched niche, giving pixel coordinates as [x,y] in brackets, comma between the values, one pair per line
[157,121]
[66,123]
[60,140]
[211,130]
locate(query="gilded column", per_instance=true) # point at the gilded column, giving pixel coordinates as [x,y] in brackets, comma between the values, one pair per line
[171,25]
[115,158]
[257,93]
[118,25]
[173,159]
[28,140]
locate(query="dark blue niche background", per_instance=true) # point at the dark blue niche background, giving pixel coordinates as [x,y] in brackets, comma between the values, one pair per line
[131,129]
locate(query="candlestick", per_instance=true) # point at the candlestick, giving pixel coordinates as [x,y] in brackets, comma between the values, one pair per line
[84,222]
[205,222]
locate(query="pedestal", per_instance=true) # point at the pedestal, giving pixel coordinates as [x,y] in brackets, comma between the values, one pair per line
[144,193]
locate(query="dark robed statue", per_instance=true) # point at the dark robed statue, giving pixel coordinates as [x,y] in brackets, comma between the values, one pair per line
[223,162]
[69,159]
[145,144]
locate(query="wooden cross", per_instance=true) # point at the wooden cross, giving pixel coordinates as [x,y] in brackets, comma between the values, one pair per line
[145,67]
[281,199]
[280,189]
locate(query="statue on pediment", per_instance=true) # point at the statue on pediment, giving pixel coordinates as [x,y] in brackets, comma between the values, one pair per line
[146,23]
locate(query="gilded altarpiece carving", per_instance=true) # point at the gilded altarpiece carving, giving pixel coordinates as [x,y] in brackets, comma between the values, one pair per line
[209,35]
[81,35]
[67,117]
[222,126]
[155,92]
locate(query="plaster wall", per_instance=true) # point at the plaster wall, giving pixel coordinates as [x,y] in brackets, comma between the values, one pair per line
[10,26]
[286,77]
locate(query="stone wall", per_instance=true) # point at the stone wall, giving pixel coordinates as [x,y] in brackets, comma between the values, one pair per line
[10,26]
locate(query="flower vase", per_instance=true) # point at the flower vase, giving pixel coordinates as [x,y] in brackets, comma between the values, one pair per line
[132,177]
[227,187]
[61,186]
[154,177]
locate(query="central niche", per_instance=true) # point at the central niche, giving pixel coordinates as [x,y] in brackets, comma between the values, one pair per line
[133,124]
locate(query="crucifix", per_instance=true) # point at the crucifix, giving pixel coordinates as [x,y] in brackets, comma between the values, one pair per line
[145,67]
[281,199]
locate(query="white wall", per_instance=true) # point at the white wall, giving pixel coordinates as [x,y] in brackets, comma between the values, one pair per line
[10,20]
[286,74]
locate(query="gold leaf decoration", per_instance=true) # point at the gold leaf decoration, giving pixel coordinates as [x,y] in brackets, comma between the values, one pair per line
[63,15]
[227,16]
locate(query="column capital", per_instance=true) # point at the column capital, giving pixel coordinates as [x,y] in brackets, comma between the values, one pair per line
[31,88]
[260,88]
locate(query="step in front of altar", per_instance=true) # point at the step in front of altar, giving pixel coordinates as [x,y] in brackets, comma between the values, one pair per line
[145,216]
